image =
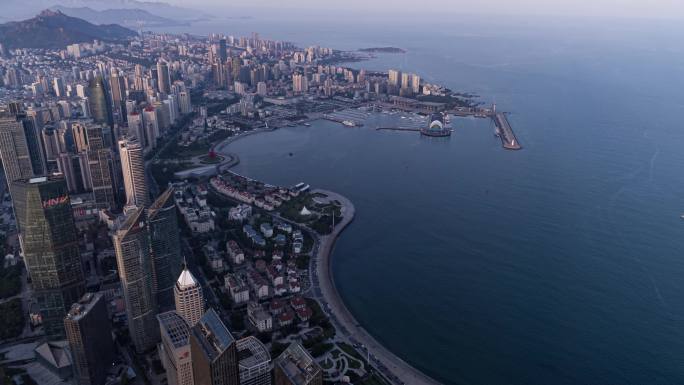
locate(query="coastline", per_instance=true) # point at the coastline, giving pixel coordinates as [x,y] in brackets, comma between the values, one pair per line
[324,290]
[346,325]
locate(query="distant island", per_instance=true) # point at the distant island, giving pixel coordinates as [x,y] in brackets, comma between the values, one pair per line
[383,50]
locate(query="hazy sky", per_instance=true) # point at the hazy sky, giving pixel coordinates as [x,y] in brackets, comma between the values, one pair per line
[671,9]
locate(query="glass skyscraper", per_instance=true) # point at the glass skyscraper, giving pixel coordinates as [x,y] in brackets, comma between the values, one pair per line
[49,241]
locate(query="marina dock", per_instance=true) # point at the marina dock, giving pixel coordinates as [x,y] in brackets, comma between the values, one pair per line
[508,139]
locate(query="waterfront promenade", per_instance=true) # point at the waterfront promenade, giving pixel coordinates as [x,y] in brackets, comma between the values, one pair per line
[394,368]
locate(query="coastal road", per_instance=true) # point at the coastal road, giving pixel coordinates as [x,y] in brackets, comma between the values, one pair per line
[393,367]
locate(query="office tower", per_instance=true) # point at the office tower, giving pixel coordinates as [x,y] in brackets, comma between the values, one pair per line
[189,297]
[100,107]
[296,367]
[166,248]
[254,362]
[185,104]
[132,247]
[223,52]
[163,78]
[88,138]
[394,77]
[214,352]
[49,241]
[174,350]
[133,169]
[22,156]
[90,338]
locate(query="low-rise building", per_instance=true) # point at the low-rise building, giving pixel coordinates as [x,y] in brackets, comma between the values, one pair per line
[259,318]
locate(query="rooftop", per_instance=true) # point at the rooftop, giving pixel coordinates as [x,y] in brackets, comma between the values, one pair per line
[296,363]
[174,327]
[212,334]
[251,352]
[186,280]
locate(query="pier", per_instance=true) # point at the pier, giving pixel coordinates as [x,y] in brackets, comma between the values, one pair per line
[508,139]
[399,129]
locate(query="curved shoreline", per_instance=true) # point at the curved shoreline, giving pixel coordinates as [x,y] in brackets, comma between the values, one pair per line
[326,293]
[342,317]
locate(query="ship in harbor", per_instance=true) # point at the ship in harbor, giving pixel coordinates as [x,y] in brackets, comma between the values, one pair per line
[436,126]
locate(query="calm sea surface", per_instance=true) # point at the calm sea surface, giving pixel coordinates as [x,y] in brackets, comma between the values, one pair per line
[562,263]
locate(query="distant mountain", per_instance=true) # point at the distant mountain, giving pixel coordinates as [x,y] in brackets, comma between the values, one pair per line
[22,9]
[53,29]
[128,17]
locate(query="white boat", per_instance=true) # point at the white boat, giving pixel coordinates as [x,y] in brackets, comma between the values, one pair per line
[349,123]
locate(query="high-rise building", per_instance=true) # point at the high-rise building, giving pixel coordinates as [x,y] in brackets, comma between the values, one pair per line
[174,350]
[188,297]
[49,241]
[166,248]
[90,339]
[185,104]
[300,83]
[22,156]
[134,261]
[88,138]
[214,352]
[118,90]
[254,362]
[223,52]
[394,77]
[295,366]
[58,87]
[133,169]
[415,83]
[163,78]
[100,106]
[135,126]
[151,128]
[406,81]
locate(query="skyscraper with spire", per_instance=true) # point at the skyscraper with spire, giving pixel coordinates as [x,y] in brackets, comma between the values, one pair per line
[189,297]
